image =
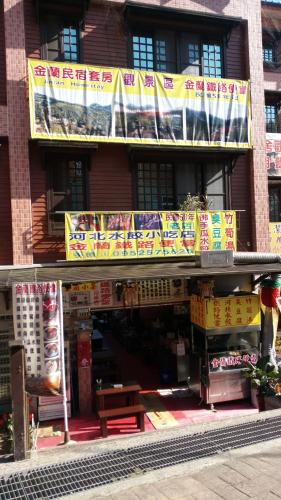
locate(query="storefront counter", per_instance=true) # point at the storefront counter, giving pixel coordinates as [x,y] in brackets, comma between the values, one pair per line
[225,335]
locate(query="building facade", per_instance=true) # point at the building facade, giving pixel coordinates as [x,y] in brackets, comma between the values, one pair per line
[230,39]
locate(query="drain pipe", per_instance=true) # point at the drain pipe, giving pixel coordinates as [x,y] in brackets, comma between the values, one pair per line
[256,257]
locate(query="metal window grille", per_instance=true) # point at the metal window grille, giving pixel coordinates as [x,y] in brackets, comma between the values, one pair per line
[271,118]
[143,52]
[212,60]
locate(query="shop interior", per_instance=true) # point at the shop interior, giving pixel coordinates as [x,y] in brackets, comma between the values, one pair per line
[173,364]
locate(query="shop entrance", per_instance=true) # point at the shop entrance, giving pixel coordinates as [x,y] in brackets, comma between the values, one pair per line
[174,367]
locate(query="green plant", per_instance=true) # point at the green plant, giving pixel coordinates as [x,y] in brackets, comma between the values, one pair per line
[195,202]
[263,375]
[6,426]
[9,427]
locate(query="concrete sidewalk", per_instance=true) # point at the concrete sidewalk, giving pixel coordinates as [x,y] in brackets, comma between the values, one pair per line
[251,472]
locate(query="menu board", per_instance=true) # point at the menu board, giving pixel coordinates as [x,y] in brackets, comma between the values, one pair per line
[37,324]
[222,312]
[96,295]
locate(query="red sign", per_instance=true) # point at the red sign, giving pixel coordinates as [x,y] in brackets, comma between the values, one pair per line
[84,353]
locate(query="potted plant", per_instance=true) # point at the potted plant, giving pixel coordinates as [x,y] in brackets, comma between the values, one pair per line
[6,425]
[195,203]
[265,380]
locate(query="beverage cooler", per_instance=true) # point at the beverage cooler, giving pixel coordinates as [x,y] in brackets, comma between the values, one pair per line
[220,351]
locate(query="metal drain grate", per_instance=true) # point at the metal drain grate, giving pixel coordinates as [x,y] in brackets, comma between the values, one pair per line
[78,475]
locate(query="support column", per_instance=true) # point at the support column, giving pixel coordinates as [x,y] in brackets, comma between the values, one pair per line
[258,173]
[19,401]
[18,131]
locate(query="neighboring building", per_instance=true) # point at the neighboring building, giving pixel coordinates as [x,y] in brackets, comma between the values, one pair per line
[230,39]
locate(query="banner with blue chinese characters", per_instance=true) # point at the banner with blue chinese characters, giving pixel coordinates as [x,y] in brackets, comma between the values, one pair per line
[133,235]
[87,103]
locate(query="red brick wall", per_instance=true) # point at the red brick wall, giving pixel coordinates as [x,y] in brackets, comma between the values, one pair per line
[3,96]
[18,131]
[32,32]
[104,43]
[6,255]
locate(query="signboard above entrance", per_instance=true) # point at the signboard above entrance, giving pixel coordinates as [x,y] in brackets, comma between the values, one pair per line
[87,103]
[134,235]
[226,312]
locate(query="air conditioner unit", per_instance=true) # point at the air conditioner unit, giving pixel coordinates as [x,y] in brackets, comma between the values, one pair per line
[215,258]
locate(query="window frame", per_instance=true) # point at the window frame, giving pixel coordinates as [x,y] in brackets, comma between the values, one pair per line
[276,125]
[200,179]
[274,185]
[56,228]
[267,46]
[205,40]
[62,22]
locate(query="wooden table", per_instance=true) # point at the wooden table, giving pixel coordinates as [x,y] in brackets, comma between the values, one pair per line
[131,392]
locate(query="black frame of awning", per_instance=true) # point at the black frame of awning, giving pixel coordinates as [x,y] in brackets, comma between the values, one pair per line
[69,272]
[133,11]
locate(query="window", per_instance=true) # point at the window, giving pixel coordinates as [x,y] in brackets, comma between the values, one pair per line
[164,186]
[271,117]
[166,51]
[275,203]
[67,187]
[212,60]
[143,52]
[268,53]
[70,43]
[155,190]
[60,40]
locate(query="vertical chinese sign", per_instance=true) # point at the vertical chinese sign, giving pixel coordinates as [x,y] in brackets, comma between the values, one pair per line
[90,236]
[275,237]
[273,155]
[37,324]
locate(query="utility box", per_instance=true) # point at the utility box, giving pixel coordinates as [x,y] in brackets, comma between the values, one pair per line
[215,258]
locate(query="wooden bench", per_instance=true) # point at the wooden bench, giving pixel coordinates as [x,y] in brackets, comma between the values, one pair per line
[126,411]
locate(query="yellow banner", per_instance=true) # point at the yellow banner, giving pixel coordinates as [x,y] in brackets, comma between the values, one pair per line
[87,103]
[131,235]
[275,237]
[223,312]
